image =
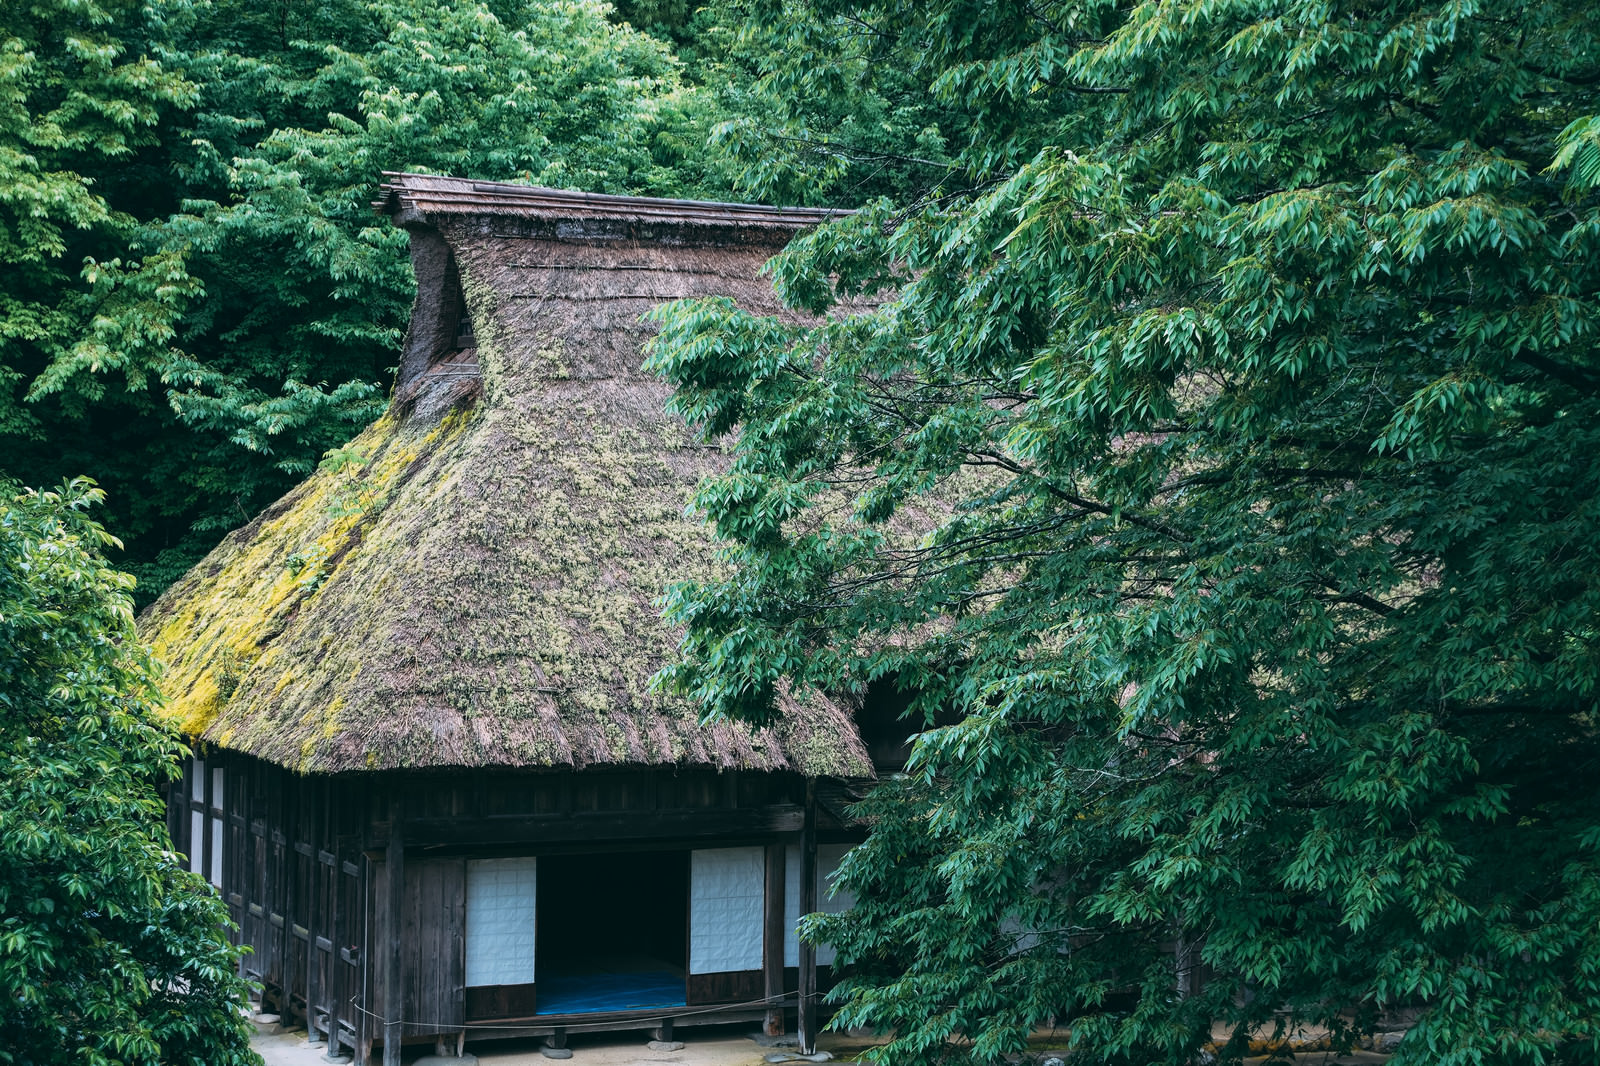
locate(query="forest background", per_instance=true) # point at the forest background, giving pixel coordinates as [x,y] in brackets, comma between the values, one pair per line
[1249,346]
[199,301]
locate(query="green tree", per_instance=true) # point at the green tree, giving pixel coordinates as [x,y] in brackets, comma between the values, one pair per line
[242,305]
[110,952]
[1224,452]
[82,103]
[852,122]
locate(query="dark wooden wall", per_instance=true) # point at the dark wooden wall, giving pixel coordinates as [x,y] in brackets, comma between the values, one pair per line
[433,928]
[469,812]
[305,869]
[295,882]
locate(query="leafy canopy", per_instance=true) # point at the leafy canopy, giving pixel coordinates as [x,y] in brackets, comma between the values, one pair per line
[110,952]
[1247,358]
[201,301]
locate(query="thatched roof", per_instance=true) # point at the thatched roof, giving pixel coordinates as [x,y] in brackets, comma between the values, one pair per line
[471,581]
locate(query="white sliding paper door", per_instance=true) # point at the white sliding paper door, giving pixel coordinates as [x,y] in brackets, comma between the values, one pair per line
[217,824]
[502,896]
[828,858]
[725,900]
[197,816]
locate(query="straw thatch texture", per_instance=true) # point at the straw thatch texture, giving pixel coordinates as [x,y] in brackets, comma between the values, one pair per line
[470,582]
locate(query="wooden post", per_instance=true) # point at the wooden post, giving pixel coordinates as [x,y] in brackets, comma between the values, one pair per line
[271,811]
[772,940]
[175,789]
[359,981]
[244,793]
[808,903]
[204,843]
[1187,961]
[313,910]
[289,884]
[395,866]
[339,935]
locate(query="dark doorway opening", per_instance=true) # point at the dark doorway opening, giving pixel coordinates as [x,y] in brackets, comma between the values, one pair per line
[613,931]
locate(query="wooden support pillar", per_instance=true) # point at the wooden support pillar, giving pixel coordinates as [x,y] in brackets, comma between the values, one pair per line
[808,903]
[272,936]
[288,886]
[313,907]
[772,940]
[338,930]
[1187,962]
[203,845]
[243,790]
[360,990]
[393,983]
[174,789]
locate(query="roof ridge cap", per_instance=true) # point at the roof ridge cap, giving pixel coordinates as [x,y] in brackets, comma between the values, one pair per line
[419,195]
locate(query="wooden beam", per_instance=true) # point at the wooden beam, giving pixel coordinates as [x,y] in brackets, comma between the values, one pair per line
[393,977]
[807,1024]
[543,1025]
[772,940]
[599,825]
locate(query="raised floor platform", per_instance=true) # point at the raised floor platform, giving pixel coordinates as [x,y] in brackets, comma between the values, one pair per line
[596,993]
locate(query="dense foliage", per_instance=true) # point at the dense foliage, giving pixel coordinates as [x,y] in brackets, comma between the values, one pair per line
[1244,351]
[1248,353]
[110,952]
[199,300]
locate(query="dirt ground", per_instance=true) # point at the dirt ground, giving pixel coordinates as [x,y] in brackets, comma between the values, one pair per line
[711,1045]
[708,1045]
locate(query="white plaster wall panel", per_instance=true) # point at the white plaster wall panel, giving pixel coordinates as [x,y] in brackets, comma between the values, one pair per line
[1022,940]
[830,900]
[197,841]
[791,905]
[502,901]
[216,852]
[828,858]
[725,889]
[197,819]
[216,826]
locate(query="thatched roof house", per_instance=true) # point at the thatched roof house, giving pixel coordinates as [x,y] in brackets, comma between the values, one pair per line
[426,668]
[470,582]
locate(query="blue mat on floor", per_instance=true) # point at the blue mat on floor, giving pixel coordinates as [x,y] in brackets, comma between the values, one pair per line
[590,993]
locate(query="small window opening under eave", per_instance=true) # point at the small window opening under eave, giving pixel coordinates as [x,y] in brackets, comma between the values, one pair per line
[888,726]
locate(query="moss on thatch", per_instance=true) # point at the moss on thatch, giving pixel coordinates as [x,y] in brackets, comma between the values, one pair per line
[470,582]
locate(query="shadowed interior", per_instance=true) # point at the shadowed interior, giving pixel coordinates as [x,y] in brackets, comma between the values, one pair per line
[613,931]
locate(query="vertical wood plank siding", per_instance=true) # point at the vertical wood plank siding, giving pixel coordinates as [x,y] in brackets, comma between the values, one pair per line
[302,885]
[292,877]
